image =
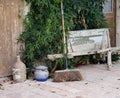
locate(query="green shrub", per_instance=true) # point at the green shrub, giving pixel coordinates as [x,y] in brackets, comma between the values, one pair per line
[42,33]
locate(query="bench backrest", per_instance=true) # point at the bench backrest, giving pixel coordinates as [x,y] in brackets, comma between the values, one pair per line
[85,41]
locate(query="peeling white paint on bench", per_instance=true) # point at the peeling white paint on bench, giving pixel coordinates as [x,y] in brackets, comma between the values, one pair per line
[85,42]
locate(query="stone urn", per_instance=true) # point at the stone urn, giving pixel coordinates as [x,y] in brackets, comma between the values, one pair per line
[41,73]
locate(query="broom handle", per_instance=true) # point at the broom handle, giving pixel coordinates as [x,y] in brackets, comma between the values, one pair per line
[64,37]
[63,28]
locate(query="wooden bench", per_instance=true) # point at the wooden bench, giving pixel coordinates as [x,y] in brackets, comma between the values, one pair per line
[86,42]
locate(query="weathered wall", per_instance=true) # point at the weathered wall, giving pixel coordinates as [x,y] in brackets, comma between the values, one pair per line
[118,24]
[11,12]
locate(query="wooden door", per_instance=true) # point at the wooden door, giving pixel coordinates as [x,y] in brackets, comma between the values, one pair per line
[110,15]
[11,12]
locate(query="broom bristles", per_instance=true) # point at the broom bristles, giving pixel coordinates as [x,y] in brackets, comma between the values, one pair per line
[67,75]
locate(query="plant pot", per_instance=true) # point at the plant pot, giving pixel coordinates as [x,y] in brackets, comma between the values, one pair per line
[41,73]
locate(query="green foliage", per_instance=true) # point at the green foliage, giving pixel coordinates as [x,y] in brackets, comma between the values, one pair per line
[115,56]
[42,33]
[89,14]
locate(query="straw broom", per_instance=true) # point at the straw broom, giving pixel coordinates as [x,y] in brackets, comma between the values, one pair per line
[67,74]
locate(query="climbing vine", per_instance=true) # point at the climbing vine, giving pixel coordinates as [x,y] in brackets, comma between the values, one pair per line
[42,33]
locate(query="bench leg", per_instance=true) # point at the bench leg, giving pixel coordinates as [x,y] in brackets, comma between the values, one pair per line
[109,60]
